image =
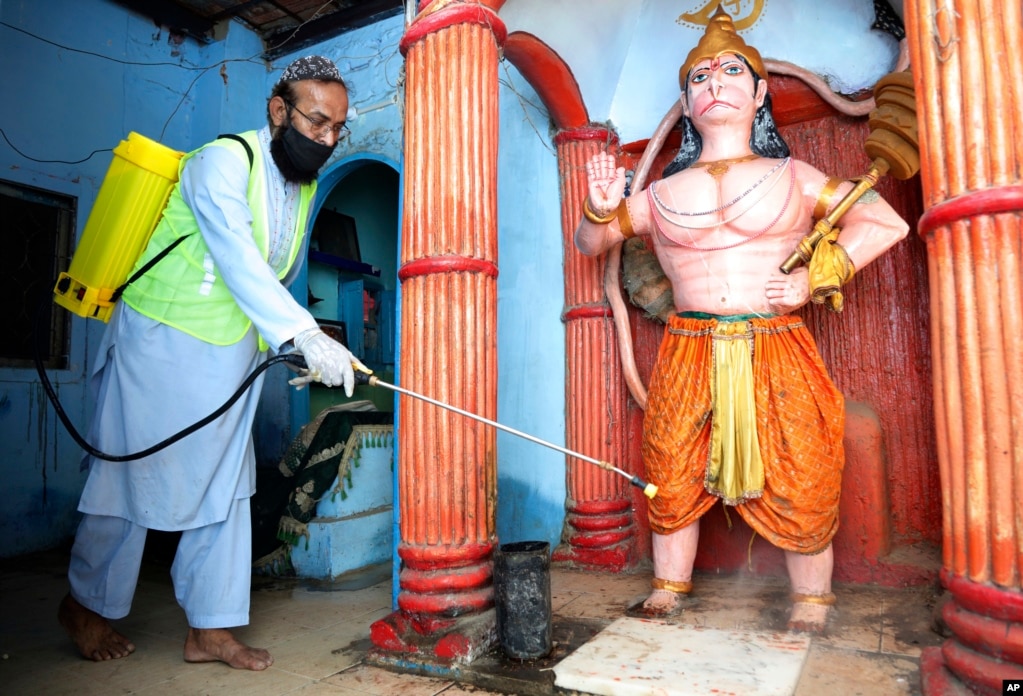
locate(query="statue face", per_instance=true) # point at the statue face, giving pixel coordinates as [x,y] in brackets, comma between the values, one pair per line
[720,91]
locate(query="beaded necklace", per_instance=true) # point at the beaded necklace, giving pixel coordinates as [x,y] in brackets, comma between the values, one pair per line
[729,204]
[734,217]
[692,243]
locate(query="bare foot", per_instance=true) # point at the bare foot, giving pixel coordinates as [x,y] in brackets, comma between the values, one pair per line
[810,616]
[95,638]
[219,645]
[660,604]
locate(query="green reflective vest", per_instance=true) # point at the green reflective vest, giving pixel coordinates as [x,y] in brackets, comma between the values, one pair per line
[184,289]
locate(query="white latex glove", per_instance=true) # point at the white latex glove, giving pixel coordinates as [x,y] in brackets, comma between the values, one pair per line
[329,362]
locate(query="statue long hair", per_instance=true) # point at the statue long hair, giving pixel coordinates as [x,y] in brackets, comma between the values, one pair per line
[764,138]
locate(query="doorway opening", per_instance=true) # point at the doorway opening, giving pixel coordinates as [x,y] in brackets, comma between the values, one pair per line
[353,274]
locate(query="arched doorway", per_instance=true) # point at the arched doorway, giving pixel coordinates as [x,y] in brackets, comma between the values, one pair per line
[352,275]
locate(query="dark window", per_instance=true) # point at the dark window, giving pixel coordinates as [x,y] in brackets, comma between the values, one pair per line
[37,227]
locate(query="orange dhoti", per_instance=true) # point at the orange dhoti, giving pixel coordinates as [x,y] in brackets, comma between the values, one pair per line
[784,474]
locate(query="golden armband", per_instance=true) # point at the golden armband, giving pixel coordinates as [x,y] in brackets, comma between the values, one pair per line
[590,214]
[825,196]
[625,219]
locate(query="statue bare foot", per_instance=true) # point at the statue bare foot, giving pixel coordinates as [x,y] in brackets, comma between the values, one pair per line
[219,645]
[664,601]
[810,612]
[92,634]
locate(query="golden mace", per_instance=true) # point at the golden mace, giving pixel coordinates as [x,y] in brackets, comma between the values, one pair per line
[893,146]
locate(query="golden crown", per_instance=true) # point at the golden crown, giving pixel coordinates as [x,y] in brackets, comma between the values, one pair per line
[719,38]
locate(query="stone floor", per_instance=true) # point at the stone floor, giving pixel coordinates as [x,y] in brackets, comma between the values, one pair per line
[319,636]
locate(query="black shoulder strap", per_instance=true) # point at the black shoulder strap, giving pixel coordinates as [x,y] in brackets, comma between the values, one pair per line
[244,142]
[149,264]
[166,250]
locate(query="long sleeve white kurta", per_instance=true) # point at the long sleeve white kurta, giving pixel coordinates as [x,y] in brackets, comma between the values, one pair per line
[151,380]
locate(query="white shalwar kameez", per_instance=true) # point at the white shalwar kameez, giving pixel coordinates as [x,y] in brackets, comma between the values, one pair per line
[152,380]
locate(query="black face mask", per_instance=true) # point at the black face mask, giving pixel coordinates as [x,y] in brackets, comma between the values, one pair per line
[298,157]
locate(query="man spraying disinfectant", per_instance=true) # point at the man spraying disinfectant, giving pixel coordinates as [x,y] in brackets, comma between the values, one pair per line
[187,333]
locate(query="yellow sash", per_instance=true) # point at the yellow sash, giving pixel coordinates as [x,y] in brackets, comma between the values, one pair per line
[735,472]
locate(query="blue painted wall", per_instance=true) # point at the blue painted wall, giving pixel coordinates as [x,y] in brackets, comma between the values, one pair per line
[78,77]
[80,74]
[531,336]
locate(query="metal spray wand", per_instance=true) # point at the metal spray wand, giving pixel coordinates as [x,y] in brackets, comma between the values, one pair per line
[649,489]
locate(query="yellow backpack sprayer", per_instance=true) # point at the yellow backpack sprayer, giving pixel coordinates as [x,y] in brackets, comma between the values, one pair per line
[128,206]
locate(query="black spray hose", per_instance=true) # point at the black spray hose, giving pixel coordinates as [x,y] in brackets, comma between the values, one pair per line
[649,489]
[286,357]
[298,361]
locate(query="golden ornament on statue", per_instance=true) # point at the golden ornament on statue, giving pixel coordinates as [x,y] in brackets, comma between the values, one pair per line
[718,39]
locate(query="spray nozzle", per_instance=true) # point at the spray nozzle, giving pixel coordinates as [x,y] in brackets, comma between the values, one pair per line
[363,375]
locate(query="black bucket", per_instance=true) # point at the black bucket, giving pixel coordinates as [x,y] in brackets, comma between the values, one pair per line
[522,584]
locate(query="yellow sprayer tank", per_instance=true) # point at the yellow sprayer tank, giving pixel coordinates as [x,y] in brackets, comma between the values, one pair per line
[128,206]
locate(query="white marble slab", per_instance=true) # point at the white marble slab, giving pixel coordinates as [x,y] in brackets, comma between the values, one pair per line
[638,657]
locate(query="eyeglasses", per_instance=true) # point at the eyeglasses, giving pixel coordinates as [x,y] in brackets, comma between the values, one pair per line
[321,127]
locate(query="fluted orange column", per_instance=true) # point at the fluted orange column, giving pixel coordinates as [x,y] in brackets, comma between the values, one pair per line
[448,273]
[970,103]
[599,529]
